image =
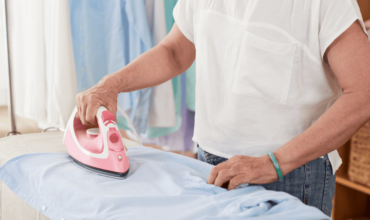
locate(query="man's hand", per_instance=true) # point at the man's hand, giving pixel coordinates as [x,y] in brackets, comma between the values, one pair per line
[243,169]
[102,94]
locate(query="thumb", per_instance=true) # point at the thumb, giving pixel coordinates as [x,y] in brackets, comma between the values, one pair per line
[113,110]
[91,113]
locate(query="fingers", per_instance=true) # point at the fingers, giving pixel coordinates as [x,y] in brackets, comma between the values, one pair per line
[82,107]
[78,105]
[212,177]
[113,109]
[90,100]
[82,112]
[91,110]
[223,177]
[236,181]
[220,175]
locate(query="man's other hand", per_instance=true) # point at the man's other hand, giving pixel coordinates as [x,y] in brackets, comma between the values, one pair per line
[243,169]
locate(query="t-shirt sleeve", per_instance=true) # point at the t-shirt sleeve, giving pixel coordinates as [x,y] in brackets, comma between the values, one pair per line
[183,14]
[336,16]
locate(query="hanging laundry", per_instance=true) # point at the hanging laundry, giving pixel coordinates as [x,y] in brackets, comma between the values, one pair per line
[177,138]
[107,35]
[43,71]
[181,140]
[190,78]
[176,83]
[162,111]
[190,87]
[169,6]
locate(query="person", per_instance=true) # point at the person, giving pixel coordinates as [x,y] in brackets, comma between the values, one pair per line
[288,77]
[367,24]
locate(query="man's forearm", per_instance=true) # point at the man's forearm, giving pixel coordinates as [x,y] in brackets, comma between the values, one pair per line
[349,58]
[169,58]
[330,131]
[150,69]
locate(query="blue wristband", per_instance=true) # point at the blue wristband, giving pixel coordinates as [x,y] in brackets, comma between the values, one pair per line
[274,161]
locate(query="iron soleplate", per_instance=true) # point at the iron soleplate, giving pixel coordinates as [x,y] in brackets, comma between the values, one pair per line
[101,172]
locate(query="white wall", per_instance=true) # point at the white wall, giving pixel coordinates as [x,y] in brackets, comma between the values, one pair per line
[3,77]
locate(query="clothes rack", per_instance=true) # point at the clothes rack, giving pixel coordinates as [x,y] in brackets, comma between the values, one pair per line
[12,124]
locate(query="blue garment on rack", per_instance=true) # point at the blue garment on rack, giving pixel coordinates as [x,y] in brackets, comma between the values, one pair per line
[159,185]
[107,35]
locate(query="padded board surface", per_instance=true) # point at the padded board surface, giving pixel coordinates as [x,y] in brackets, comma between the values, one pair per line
[11,206]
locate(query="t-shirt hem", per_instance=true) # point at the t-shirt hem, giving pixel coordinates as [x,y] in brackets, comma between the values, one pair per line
[335,160]
[210,150]
[334,157]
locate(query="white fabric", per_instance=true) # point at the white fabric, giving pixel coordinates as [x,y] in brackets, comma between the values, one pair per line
[261,76]
[43,71]
[3,64]
[162,112]
[12,206]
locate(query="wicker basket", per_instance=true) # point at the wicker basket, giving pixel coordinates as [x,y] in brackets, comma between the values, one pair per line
[359,160]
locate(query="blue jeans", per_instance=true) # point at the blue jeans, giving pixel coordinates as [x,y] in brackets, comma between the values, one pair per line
[312,183]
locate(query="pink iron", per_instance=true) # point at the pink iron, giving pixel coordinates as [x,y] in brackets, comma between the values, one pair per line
[100,150]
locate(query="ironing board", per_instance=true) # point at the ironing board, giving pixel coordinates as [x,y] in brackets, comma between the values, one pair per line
[11,206]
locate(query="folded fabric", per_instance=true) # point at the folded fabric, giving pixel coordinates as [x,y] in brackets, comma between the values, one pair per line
[160,185]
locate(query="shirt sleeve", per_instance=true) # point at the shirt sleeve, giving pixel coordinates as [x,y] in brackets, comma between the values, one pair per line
[183,14]
[336,16]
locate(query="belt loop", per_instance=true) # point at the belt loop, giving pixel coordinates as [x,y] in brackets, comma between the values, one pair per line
[326,157]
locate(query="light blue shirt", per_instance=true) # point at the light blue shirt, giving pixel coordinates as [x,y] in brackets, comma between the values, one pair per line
[107,35]
[159,185]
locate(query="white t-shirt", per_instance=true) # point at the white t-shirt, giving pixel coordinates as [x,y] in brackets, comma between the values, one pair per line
[261,78]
